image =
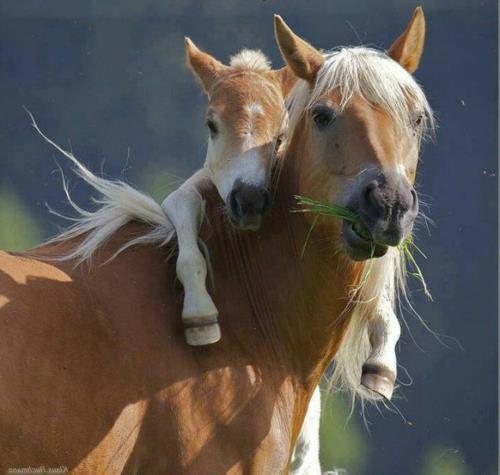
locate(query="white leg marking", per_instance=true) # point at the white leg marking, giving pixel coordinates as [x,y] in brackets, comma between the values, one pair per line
[305,458]
[383,331]
[184,208]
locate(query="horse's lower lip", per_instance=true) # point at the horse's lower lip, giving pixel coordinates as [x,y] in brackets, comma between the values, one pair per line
[360,248]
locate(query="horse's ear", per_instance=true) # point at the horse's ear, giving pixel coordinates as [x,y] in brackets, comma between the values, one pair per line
[205,67]
[285,77]
[408,48]
[302,58]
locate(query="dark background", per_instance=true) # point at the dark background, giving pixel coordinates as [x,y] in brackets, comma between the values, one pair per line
[110,77]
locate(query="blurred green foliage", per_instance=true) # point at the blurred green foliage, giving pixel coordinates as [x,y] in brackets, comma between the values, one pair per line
[342,439]
[19,229]
[444,461]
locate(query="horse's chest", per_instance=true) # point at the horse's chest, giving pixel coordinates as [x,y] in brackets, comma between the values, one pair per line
[230,422]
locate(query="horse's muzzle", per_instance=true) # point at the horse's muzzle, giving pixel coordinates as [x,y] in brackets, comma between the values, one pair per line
[247,203]
[387,206]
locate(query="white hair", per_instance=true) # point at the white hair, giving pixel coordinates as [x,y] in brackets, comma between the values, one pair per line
[382,278]
[371,74]
[119,204]
[250,59]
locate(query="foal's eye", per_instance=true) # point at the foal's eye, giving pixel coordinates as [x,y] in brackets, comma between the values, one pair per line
[323,116]
[279,141]
[212,127]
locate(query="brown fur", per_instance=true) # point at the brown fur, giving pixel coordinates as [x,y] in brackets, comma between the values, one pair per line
[95,372]
[95,363]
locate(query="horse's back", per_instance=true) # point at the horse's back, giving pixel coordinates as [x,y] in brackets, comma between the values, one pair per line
[98,377]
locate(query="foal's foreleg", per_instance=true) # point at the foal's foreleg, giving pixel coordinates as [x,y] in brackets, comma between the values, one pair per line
[184,207]
[380,369]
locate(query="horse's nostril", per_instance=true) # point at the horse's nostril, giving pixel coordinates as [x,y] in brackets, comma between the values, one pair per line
[369,202]
[414,197]
[368,191]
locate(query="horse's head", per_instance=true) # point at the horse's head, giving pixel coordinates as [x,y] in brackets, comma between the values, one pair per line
[360,117]
[246,121]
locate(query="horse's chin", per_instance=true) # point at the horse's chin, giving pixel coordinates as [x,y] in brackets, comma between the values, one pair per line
[358,247]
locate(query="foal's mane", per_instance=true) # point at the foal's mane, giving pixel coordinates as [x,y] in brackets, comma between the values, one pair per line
[250,60]
[364,71]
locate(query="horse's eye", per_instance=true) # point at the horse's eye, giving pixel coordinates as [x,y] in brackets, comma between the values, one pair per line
[212,127]
[323,116]
[419,120]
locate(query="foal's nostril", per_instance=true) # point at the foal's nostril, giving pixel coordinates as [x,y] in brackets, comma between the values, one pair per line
[248,202]
[235,204]
[265,201]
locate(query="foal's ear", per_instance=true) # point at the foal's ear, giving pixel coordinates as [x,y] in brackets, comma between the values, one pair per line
[408,48]
[205,67]
[302,58]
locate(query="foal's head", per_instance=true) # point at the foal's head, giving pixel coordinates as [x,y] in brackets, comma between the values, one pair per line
[360,117]
[246,120]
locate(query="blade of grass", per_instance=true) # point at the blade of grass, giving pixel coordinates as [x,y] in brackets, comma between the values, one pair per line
[313,224]
[321,208]
[326,209]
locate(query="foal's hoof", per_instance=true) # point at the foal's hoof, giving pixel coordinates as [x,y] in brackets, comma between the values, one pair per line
[199,332]
[379,379]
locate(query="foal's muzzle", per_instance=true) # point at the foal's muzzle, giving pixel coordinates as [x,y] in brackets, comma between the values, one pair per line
[387,206]
[247,203]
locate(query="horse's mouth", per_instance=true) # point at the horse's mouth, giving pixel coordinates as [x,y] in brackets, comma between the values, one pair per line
[359,242]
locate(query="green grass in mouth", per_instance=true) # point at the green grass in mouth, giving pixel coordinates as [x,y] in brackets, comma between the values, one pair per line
[320,208]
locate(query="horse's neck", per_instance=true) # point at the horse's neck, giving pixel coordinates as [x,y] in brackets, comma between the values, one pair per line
[297,305]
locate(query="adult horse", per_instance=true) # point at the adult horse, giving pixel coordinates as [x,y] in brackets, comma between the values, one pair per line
[94,369]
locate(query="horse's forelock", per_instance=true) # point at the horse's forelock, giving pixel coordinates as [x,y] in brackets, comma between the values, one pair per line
[371,74]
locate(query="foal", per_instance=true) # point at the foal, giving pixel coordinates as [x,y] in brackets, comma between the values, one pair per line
[246,120]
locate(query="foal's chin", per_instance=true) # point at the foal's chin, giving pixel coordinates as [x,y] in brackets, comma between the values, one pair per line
[246,223]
